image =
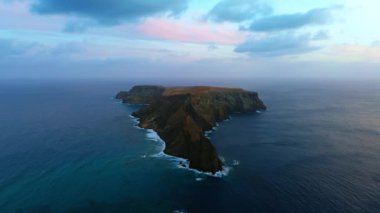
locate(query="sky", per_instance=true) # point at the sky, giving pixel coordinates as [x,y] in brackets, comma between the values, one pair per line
[189,39]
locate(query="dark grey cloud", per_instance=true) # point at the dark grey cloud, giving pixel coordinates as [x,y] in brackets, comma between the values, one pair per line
[277,45]
[237,10]
[291,21]
[109,12]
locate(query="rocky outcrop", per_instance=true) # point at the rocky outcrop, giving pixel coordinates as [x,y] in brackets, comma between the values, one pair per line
[181,115]
[141,94]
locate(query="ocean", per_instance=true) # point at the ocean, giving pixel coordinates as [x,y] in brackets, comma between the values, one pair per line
[69,146]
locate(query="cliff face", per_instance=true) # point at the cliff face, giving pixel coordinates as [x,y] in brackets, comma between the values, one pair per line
[181,115]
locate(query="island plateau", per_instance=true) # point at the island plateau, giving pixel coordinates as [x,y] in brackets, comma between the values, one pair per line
[182,115]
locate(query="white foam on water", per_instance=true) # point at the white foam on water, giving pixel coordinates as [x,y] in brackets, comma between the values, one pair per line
[180,162]
[152,135]
[199,179]
[219,174]
[207,134]
[235,163]
[136,121]
[180,211]
[214,128]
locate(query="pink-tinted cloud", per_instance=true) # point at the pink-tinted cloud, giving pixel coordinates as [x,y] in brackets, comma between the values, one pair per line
[175,30]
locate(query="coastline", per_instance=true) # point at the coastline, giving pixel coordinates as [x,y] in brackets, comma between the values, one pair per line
[184,117]
[180,163]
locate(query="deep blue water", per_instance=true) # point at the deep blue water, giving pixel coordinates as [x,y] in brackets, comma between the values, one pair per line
[68,146]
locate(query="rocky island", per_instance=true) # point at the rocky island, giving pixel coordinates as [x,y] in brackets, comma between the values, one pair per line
[182,115]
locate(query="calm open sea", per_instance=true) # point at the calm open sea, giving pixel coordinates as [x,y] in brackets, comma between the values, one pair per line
[68,146]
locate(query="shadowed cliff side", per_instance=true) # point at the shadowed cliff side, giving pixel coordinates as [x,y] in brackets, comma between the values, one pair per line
[181,115]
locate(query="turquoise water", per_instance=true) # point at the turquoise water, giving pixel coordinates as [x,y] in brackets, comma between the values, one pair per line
[68,146]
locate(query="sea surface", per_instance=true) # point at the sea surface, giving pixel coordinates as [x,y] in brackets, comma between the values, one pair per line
[69,146]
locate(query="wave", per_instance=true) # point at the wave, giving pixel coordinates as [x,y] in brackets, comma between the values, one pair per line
[208,133]
[180,211]
[216,127]
[181,163]
[235,163]
[136,121]
[200,179]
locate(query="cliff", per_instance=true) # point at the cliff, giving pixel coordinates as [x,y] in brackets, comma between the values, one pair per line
[181,115]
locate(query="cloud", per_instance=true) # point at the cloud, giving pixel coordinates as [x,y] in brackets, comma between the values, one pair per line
[237,10]
[291,21]
[10,48]
[78,26]
[277,45]
[212,46]
[109,12]
[357,52]
[68,48]
[321,35]
[11,1]
[175,30]
[17,50]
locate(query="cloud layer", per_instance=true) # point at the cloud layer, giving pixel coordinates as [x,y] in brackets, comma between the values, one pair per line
[109,12]
[175,30]
[273,34]
[291,21]
[277,45]
[237,10]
